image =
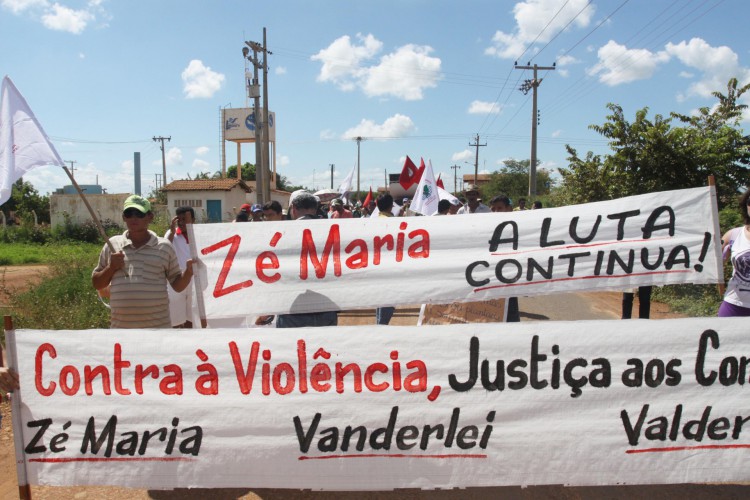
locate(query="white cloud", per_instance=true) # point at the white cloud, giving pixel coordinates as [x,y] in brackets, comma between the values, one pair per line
[18,6]
[464,155]
[563,62]
[717,65]
[61,18]
[618,64]
[280,70]
[396,126]
[282,160]
[200,81]
[404,73]
[484,108]
[201,165]
[686,74]
[531,18]
[328,134]
[203,150]
[58,17]
[556,133]
[172,157]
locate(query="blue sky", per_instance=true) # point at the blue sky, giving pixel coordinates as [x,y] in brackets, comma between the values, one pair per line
[414,77]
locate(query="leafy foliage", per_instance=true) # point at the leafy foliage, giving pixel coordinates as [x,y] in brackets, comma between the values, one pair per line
[651,155]
[65,299]
[25,201]
[513,181]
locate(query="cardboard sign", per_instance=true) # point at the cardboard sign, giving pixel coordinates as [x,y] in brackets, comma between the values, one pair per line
[459,313]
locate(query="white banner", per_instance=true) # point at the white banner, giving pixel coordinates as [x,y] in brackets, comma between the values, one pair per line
[575,403]
[324,265]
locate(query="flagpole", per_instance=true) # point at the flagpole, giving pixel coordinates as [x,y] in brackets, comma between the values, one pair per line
[91,210]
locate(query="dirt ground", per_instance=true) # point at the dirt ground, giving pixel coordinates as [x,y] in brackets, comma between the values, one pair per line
[605,304]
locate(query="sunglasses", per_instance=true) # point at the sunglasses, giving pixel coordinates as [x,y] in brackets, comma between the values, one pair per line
[133,212]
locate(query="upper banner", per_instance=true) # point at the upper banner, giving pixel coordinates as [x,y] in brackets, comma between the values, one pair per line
[324,265]
[575,403]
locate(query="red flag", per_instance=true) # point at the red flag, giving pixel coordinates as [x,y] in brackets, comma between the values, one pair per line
[410,174]
[439,182]
[368,199]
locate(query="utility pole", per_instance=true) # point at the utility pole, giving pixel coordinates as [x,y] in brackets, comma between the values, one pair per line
[156,181]
[455,168]
[163,158]
[332,167]
[266,128]
[72,168]
[359,140]
[525,87]
[476,158]
[253,90]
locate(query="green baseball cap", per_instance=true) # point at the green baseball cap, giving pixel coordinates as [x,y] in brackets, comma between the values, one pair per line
[138,202]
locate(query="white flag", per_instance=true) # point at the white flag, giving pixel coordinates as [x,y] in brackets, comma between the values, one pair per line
[23,143]
[426,198]
[445,195]
[346,186]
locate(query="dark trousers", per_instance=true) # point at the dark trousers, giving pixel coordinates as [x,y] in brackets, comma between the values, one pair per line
[644,303]
[383,315]
[513,314]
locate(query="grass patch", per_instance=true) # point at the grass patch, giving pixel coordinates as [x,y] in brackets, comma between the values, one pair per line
[65,300]
[691,300]
[16,254]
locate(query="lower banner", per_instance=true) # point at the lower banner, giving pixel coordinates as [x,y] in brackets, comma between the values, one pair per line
[378,408]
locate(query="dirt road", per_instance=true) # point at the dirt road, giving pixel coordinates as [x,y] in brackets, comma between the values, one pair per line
[559,307]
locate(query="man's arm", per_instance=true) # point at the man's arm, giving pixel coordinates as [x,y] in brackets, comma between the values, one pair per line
[172,228]
[8,378]
[183,280]
[100,279]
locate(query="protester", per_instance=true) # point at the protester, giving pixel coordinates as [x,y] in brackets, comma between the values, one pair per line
[455,207]
[644,302]
[304,206]
[138,271]
[338,211]
[521,205]
[536,205]
[272,211]
[444,207]
[502,203]
[8,377]
[384,202]
[244,214]
[736,246]
[473,204]
[181,303]
[256,212]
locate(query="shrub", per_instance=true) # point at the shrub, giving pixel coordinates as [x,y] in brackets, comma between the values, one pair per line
[64,300]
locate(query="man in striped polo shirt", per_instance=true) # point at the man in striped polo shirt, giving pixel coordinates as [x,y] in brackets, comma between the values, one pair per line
[139,270]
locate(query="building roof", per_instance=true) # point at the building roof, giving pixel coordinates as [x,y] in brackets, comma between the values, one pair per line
[207,185]
[481,178]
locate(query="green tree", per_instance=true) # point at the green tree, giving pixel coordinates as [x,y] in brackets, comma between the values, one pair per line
[25,201]
[513,180]
[247,173]
[653,155]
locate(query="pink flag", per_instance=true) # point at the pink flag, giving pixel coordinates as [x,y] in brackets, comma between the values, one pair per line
[23,143]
